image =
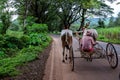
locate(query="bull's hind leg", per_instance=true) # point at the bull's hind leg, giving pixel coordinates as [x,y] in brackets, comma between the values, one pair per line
[70,54]
[63,54]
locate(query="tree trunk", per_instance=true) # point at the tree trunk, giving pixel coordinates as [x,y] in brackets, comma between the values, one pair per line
[83,19]
[36,11]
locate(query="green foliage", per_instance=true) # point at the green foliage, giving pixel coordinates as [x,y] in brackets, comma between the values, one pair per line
[54,24]
[34,39]
[9,44]
[5,18]
[15,26]
[1,26]
[109,34]
[111,22]
[2,55]
[31,49]
[5,15]
[45,39]
[38,39]
[10,51]
[101,23]
[90,4]
[13,42]
[8,65]
[44,11]
[117,21]
[37,28]
[1,39]
[26,40]
[18,49]
[16,34]
[74,27]
[30,20]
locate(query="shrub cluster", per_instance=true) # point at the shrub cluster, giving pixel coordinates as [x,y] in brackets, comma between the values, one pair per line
[36,28]
[16,50]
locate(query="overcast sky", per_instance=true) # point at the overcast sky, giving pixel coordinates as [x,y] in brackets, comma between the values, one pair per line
[115,6]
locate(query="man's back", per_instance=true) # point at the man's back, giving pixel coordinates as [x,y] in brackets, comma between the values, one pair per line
[87,43]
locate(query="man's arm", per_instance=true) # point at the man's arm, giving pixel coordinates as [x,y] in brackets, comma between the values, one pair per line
[93,42]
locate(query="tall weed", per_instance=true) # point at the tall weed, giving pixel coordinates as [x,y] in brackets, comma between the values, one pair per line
[109,34]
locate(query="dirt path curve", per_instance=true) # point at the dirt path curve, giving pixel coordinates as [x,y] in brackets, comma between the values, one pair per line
[98,69]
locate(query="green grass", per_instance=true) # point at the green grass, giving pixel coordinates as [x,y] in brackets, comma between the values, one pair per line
[109,34]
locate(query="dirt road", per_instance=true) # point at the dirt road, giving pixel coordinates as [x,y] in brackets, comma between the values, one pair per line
[84,70]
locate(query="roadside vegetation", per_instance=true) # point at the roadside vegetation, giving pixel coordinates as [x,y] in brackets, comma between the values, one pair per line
[109,34]
[17,48]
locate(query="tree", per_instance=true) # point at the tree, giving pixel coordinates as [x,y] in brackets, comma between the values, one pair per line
[71,10]
[104,10]
[22,10]
[101,23]
[42,10]
[111,22]
[117,21]
[87,5]
[5,15]
[68,11]
[95,8]
[59,13]
[118,3]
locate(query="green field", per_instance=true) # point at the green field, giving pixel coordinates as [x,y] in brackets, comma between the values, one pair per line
[109,34]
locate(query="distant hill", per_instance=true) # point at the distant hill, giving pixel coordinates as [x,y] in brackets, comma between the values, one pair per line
[94,21]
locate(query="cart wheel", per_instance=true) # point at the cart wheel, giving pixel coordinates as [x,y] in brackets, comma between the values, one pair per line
[112,55]
[99,50]
[72,59]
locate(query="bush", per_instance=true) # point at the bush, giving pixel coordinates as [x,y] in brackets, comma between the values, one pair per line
[37,28]
[2,41]
[10,45]
[10,51]
[8,65]
[34,39]
[16,34]
[26,40]
[25,48]
[2,55]
[44,38]
[13,42]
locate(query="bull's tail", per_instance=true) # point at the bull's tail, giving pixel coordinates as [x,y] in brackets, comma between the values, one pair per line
[66,39]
